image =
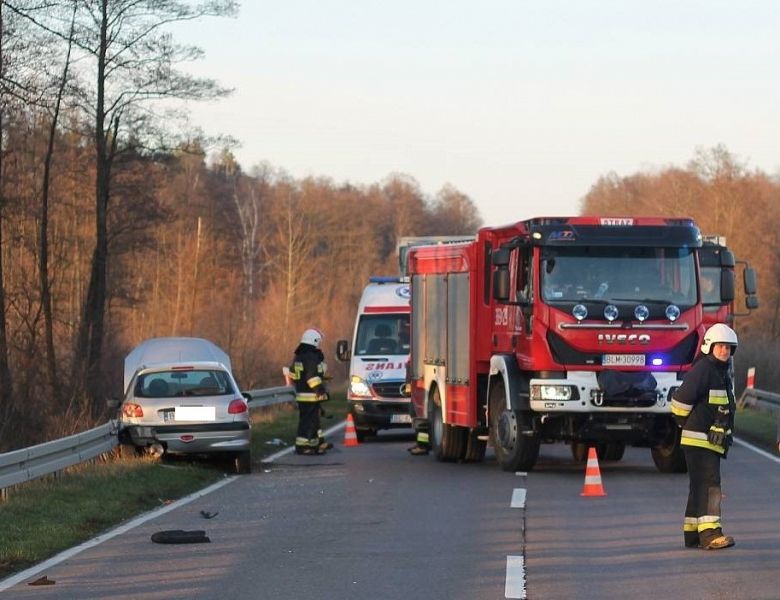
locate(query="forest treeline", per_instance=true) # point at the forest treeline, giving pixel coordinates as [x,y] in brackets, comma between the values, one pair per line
[119,221]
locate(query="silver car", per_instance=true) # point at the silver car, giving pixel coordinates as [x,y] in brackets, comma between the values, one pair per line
[191,407]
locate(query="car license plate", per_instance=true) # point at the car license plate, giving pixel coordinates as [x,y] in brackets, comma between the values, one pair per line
[195,413]
[623,360]
[401,418]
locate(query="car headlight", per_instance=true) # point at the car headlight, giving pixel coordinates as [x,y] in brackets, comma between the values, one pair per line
[358,387]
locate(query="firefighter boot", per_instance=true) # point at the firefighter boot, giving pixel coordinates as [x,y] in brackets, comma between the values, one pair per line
[713,539]
[324,446]
[691,539]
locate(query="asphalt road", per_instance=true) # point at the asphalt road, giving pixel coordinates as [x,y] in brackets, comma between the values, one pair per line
[375,522]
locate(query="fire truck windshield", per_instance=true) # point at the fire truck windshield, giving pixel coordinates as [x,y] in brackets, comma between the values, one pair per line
[618,274]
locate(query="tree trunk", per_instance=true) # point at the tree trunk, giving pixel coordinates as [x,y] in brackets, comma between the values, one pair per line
[6,387]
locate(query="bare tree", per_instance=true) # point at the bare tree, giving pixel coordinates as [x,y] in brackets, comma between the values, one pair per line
[133,61]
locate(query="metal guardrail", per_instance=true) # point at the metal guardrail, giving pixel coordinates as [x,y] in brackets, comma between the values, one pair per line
[760,399]
[26,464]
[271,396]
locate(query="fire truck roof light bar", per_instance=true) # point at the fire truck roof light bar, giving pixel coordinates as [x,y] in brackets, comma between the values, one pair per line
[651,236]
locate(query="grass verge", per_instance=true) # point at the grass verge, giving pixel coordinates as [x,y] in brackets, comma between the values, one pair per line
[757,427]
[49,515]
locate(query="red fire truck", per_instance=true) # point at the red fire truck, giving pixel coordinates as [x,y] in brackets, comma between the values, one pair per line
[571,330]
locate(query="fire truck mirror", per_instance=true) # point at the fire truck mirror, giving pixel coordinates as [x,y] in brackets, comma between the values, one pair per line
[500,257]
[501,284]
[727,258]
[751,286]
[727,286]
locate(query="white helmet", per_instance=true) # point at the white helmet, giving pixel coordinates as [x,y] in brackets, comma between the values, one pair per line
[313,337]
[719,333]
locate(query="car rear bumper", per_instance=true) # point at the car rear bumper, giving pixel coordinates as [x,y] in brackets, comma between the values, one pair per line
[193,438]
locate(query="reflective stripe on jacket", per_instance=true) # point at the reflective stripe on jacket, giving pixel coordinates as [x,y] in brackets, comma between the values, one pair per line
[308,373]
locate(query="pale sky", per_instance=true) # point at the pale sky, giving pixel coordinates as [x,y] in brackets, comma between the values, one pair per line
[522,105]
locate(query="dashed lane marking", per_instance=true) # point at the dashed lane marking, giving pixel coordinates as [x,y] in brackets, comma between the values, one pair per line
[515,577]
[518,498]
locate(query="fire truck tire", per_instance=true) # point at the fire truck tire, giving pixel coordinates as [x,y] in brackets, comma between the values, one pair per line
[475,448]
[605,451]
[515,449]
[579,451]
[614,451]
[448,442]
[669,459]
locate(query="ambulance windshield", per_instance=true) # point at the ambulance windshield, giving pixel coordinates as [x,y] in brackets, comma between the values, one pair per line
[382,334]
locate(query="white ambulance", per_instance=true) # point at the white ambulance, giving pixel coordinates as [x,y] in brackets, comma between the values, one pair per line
[380,349]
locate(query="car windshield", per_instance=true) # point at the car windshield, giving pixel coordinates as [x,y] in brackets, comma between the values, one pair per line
[383,334]
[615,274]
[191,382]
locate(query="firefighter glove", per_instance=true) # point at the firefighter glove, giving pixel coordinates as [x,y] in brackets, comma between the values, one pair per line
[322,396]
[716,435]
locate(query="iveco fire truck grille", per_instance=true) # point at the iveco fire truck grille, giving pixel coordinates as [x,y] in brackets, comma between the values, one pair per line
[388,389]
[564,354]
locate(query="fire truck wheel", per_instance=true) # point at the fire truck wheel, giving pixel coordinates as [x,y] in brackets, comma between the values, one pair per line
[669,459]
[614,451]
[579,451]
[511,433]
[475,448]
[448,442]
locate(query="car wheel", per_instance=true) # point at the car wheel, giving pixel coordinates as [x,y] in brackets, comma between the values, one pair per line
[242,462]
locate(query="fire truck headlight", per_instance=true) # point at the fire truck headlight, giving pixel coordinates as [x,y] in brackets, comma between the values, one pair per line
[672,312]
[553,392]
[610,312]
[358,387]
[641,312]
[579,312]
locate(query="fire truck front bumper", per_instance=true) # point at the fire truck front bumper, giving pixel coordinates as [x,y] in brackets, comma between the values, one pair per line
[580,392]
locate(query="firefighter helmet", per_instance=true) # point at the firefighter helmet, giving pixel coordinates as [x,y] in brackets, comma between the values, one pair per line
[719,333]
[312,336]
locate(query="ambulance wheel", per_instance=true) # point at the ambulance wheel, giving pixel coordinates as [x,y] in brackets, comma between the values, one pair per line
[511,433]
[448,442]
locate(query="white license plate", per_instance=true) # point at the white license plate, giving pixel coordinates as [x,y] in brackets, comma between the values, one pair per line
[195,413]
[400,418]
[623,360]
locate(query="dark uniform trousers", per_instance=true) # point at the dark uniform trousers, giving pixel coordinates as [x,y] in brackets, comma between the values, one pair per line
[704,494]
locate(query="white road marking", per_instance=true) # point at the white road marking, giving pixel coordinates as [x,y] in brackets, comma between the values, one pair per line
[515,577]
[518,498]
[757,450]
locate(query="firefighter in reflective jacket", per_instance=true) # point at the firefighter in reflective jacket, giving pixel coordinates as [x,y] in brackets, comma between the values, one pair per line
[704,407]
[308,375]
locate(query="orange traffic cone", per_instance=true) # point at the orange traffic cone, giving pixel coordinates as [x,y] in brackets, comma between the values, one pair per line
[350,435]
[592,485]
